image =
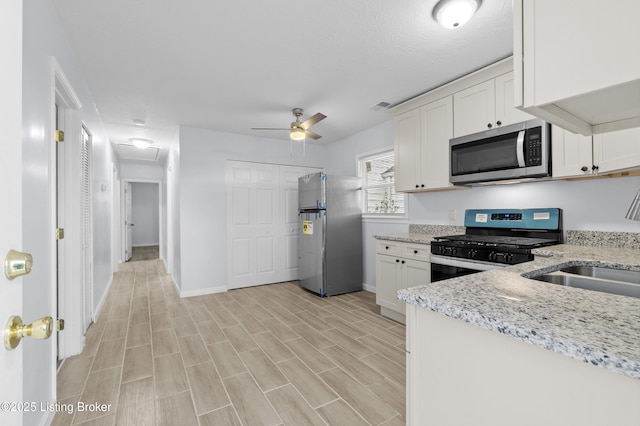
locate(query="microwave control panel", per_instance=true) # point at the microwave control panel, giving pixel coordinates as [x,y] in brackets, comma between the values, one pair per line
[533,147]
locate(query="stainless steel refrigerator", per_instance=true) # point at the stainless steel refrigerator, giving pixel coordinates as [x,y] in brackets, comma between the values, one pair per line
[330,238]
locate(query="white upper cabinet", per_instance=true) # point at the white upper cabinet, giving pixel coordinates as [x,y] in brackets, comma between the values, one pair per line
[576,155]
[486,106]
[406,143]
[475,109]
[577,63]
[616,151]
[506,112]
[571,153]
[422,147]
[437,128]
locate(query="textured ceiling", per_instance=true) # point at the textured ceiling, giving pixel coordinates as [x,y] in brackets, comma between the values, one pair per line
[233,65]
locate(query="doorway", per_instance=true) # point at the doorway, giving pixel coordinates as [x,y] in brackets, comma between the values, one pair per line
[142,235]
[71,216]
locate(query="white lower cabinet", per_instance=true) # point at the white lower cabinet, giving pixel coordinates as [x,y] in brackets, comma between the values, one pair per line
[399,265]
[462,374]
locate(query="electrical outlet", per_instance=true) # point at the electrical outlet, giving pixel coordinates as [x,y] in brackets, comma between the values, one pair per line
[452,214]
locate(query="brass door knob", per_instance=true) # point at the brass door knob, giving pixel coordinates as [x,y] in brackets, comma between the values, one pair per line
[16,330]
[17,263]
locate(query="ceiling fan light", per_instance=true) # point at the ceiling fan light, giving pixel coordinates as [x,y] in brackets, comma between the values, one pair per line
[141,143]
[454,13]
[297,134]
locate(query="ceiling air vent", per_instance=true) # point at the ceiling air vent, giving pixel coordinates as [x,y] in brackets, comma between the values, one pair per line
[131,152]
[380,105]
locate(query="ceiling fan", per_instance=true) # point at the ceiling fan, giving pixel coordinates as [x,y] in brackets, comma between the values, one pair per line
[299,130]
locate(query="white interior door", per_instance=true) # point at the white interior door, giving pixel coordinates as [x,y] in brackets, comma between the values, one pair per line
[11,364]
[128,226]
[252,212]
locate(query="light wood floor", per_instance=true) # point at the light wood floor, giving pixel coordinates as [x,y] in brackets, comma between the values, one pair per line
[266,355]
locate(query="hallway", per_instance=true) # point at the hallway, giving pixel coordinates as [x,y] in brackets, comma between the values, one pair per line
[267,355]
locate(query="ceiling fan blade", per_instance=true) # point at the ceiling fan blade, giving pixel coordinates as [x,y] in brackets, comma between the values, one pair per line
[271,128]
[310,134]
[312,120]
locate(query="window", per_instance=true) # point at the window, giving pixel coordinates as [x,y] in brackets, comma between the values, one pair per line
[380,197]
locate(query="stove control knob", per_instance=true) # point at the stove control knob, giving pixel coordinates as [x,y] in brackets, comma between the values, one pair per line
[508,258]
[493,256]
[454,251]
[472,253]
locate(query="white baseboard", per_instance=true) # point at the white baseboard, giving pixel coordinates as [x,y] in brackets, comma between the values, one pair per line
[370,288]
[98,309]
[201,292]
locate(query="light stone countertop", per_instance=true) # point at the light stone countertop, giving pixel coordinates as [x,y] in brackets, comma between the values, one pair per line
[594,327]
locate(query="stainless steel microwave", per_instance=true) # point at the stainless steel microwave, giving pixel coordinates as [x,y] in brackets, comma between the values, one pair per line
[517,151]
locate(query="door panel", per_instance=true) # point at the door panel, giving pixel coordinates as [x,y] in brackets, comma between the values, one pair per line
[265,265]
[241,255]
[11,362]
[241,206]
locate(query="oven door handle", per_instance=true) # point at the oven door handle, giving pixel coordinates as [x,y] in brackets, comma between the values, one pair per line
[520,149]
[452,261]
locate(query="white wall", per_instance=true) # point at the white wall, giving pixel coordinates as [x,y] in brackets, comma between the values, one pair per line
[145,209]
[44,38]
[596,204]
[202,228]
[147,172]
[173,249]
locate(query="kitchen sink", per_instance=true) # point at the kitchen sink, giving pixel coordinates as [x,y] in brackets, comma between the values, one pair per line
[606,280]
[605,273]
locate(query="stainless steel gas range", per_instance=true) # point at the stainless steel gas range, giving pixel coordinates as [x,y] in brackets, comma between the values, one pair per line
[494,239]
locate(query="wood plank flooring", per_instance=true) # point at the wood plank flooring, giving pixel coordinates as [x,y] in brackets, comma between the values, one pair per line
[266,355]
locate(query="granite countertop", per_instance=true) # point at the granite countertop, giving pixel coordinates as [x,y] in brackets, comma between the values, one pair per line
[409,237]
[590,326]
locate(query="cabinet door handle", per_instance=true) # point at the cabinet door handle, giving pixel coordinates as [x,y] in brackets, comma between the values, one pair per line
[417,186]
[386,248]
[499,123]
[415,252]
[403,261]
[595,169]
[489,125]
[397,260]
[584,168]
[422,185]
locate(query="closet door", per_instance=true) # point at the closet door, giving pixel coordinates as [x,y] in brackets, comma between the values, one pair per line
[252,222]
[262,222]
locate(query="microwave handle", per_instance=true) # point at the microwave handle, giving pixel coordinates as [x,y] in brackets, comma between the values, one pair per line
[520,148]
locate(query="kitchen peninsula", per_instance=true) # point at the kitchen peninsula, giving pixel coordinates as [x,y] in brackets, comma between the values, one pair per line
[497,348]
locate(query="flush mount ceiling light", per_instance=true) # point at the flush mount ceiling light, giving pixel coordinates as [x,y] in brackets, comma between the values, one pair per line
[138,122]
[454,13]
[141,143]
